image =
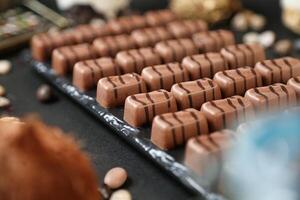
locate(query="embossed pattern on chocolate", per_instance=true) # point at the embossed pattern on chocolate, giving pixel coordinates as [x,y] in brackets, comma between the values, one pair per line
[193,94]
[295,84]
[185,28]
[278,70]
[237,81]
[164,76]
[160,17]
[171,130]
[227,113]
[142,108]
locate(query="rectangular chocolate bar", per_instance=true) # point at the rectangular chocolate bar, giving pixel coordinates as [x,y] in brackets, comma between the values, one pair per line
[171,130]
[278,70]
[148,37]
[164,76]
[295,84]
[272,98]
[142,108]
[185,28]
[135,60]
[160,17]
[113,90]
[111,45]
[193,94]
[237,81]
[87,73]
[64,58]
[212,41]
[175,50]
[204,65]
[126,24]
[204,154]
[242,55]
[227,113]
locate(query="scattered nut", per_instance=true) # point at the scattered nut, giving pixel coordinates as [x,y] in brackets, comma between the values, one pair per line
[115,177]
[283,47]
[44,93]
[267,38]
[257,22]
[121,195]
[250,38]
[4,102]
[5,66]
[2,90]
[239,22]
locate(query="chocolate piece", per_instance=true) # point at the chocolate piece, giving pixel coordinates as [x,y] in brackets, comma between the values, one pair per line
[278,70]
[113,90]
[175,50]
[43,44]
[227,113]
[237,81]
[193,94]
[126,24]
[272,98]
[204,65]
[242,55]
[185,28]
[148,37]
[170,130]
[142,108]
[204,153]
[164,76]
[111,45]
[136,59]
[87,73]
[64,58]
[213,40]
[159,17]
[295,84]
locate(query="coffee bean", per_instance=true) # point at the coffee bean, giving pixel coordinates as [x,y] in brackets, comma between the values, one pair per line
[121,195]
[5,66]
[4,102]
[115,177]
[257,22]
[44,93]
[250,38]
[267,38]
[239,22]
[283,47]
[2,90]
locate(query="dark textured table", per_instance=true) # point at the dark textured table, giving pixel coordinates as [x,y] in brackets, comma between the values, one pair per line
[146,181]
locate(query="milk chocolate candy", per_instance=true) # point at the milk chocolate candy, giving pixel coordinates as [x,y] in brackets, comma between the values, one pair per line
[272,98]
[113,90]
[111,45]
[126,24]
[164,76]
[278,70]
[212,41]
[148,37]
[43,44]
[185,28]
[193,94]
[175,50]
[227,113]
[204,65]
[204,154]
[142,108]
[237,81]
[87,73]
[64,58]
[159,17]
[242,55]
[171,130]
[136,60]
[295,84]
